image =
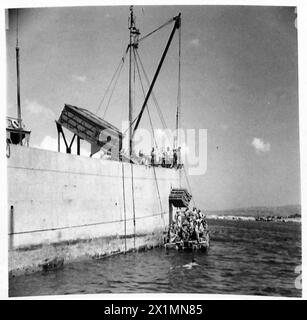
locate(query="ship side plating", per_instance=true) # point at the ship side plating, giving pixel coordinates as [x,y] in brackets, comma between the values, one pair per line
[71,206]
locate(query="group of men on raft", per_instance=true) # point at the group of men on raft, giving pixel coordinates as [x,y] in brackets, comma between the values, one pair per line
[188,225]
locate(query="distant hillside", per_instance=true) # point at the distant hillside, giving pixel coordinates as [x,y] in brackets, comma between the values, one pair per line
[283,211]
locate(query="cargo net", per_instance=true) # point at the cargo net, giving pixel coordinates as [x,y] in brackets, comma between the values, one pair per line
[180,198]
[188,230]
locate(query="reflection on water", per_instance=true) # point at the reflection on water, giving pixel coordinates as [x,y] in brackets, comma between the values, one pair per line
[245,257]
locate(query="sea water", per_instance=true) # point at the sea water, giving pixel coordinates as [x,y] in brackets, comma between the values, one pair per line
[245,257]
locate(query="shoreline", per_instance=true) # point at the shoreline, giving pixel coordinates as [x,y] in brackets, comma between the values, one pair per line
[256,219]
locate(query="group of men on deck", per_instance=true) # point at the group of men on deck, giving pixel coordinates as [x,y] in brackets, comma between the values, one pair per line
[188,225]
[165,158]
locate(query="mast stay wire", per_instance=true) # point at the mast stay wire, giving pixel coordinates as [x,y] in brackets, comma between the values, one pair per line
[152,93]
[153,96]
[113,89]
[147,79]
[178,114]
[153,134]
[115,75]
[155,100]
[132,123]
[143,90]
[16,27]
[157,29]
[189,186]
[133,98]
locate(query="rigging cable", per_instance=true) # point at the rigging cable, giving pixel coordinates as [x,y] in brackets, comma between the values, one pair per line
[179,90]
[115,75]
[133,87]
[158,191]
[156,180]
[160,114]
[152,129]
[132,123]
[154,99]
[152,93]
[178,115]
[143,90]
[16,27]
[133,204]
[124,199]
[115,83]
[189,186]
[152,32]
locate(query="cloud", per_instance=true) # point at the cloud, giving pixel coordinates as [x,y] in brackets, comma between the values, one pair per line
[224,126]
[195,42]
[79,78]
[50,143]
[36,108]
[260,146]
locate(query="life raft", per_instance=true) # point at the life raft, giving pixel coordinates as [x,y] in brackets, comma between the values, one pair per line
[191,245]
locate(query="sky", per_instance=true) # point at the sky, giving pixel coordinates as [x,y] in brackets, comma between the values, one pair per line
[239,80]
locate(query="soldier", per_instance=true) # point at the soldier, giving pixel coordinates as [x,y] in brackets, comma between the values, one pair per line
[175,158]
[141,156]
[168,157]
[163,157]
[179,157]
[152,156]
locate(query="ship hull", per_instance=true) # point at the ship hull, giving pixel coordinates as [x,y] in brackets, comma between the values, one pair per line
[71,207]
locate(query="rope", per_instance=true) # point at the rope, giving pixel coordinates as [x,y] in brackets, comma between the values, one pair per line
[160,114]
[130,125]
[152,130]
[124,198]
[179,90]
[133,87]
[113,90]
[143,90]
[178,116]
[114,86]
[158,191]
[152,32]
[153,97]
[133,204]
[156,103]
[118,69]
[154,170]
[17,28]
[152,93]
[189,186]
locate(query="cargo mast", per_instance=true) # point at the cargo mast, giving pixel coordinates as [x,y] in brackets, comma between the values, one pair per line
[130,94]
[133,43]
[18,82]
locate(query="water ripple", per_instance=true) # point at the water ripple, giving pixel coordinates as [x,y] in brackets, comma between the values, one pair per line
[245,257]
